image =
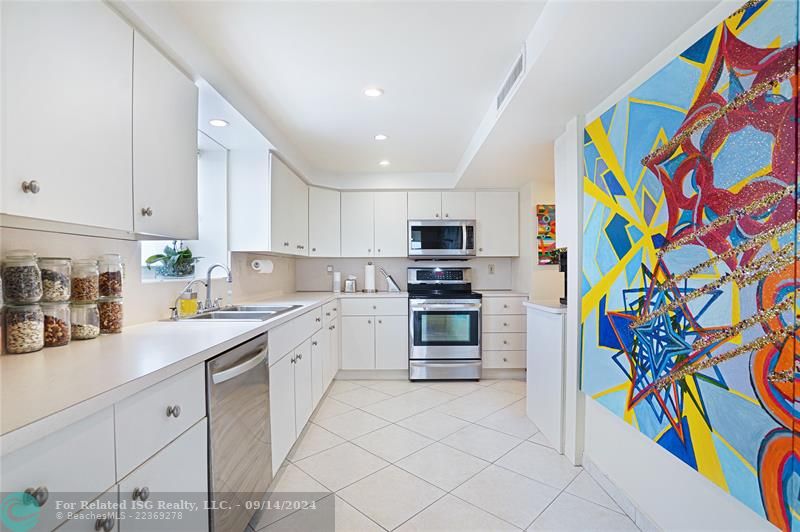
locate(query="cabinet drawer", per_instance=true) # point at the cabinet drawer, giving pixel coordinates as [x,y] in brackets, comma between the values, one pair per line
[504,359]
[100,508]
[503,305]
[330,310]
[307,324]
[178,472]
[284,339]
[374,306]
[504,341]
[503,324]
[143,424]
[73,464]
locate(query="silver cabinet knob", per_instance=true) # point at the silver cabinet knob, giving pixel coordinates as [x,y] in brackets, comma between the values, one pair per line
[31,187]
[299,357]
[480,249]
[293,360]
[174,411]
[446,215]
[313,249]
[314,343]
[330,328]
[37,496]
[505,342]
[141,493]
[334,309]
[369,250]
[380,321]
[505,324]
[374,307]
[505,359]
[369,322]
[327,313]
[106,524]
[298,246]
[379,250]
[285,244]
[437,214]
[317,319]
[505,306]
[147,211]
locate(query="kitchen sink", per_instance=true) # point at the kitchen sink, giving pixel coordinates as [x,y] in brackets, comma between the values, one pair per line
[277,309]
[245,312]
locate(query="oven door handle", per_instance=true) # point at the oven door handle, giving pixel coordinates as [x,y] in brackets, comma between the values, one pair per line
[444,307]
[454,364]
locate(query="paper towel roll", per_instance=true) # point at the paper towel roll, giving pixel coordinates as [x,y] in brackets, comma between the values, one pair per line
[337,282]
[369,277]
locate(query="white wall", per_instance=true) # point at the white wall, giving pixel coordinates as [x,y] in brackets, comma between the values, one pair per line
[667,492]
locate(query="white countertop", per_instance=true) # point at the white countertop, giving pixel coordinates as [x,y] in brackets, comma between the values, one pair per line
[86,376]
[553,306]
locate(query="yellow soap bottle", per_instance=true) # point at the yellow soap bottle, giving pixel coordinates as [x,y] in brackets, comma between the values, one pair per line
[187,304]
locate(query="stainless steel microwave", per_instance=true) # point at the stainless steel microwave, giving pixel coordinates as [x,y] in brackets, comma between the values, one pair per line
[441,238]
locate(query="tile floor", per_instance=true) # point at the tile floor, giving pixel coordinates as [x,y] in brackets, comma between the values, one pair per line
[396,455]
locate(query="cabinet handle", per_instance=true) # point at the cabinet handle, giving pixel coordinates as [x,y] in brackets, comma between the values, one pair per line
[293,360]
[299,357]
[505,359]
[369,250]
[330,328]
[380,321]
[39,495]
[174,411]
[379,250]
[106,524]
[314,343]
[318,320]
[30,187]
[505,342]
[285,244]
[446,215]
[141,493]
[298,246]
[505,324]
[327,313]
[313,249]
[334,309]
[369,322]
[480,249]
[147,211]
[505,306]
[374,307]
[437,214]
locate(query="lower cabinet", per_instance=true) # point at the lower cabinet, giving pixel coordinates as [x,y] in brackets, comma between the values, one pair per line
[334,344]
[358,342]
[303,387]
[281,409]
[101,515]
[320,347]
[375,342]
[391,342]
[503,333]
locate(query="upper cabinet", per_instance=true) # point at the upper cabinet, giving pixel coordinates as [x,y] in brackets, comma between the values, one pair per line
[374,224]
[269,204]
[458,205]
[67,92]
[497,217]
[424,205]
[448,205]
[99,128]
[358,221]
[324,239]
[391,224]
[164,146]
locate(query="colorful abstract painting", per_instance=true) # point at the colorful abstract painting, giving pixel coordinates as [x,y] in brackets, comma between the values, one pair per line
[546,234]
[689,258]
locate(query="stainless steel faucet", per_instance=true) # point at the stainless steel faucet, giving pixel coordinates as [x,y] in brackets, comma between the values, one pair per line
[212,304]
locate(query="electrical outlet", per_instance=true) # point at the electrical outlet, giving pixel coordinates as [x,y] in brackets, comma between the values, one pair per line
[329,268]
[491,269]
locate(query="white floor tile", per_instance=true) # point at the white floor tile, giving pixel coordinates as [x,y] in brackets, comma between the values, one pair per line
[442,466]
[291,480]
[348,519]
[540,463]
[408,404]
[457,388]
[450,514]
[572,513]
[392,442]
[320,516]
[314,440]
[362,397]
[433,424]
[507,495]
[330,407]
[512,386]
[394,387]
[352,424]
[390,496]
[341,465]
[512,420]
[484,443]
[585,487]
[539,439]
[480,404]
[339,387]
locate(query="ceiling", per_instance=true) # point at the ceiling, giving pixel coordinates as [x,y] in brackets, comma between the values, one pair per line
[296,70]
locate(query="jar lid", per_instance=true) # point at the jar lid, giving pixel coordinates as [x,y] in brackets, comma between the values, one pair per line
[22,306]
[87,304]
[109,299]
[113,258]
[62,260]
[86,262]
[52,304]
[20,254]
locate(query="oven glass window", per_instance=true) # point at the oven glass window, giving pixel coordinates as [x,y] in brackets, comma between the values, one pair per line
[445,328]
[437,237]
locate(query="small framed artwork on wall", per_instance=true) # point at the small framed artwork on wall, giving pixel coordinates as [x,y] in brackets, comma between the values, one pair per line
[546,233]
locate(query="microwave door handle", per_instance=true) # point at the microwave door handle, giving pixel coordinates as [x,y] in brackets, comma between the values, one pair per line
[464,237]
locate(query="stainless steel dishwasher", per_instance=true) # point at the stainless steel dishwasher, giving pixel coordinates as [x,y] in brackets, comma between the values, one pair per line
[240,449]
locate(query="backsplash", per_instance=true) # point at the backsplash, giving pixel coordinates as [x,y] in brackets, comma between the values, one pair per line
[311,273]
[150,300]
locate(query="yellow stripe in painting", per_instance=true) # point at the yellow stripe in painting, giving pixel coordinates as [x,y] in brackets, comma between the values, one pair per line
[597,193]
[621,387]
[592,298]
[705,68]
[659,104]
[704,452]
[738,455]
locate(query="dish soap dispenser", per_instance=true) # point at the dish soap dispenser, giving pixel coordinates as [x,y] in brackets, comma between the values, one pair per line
[187,303]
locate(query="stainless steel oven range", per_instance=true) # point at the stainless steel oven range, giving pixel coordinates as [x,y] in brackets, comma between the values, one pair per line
[444,325]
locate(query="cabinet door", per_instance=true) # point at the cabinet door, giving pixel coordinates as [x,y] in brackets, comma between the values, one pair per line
[333,353]
[458,205]
[358,342]
[164,146]
[497,216]
[66,113]
[319,363]
[424,205]
[281,408]
[391,224]
[178,471]
[391,342]
[303,386]
[323,222]
[300,211]
[282,193]
[358,222]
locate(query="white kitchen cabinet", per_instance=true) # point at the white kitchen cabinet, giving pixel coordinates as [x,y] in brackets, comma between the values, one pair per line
[300,217]
[391,342]
[303,386]
[358,222]
[332,367]
[358,342]
[391,224]
[324,238]
[497,217]
[178,472]
[319,360]
[281,409]
[164,146]
[66,112]
[101,510]
[458,205]
[424,205]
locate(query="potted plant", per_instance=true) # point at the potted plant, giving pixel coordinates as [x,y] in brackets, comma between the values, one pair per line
[176,261]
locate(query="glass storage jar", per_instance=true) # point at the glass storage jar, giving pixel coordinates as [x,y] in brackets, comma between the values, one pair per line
[110,315]
[24,328]
[56,273]
[85,280]
[57,329]
[111,274]
[85,321]
[22,280]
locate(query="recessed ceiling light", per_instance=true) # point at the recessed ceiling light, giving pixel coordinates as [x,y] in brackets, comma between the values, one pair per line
[381,137]
[384,163]
[373,92]
[218,122]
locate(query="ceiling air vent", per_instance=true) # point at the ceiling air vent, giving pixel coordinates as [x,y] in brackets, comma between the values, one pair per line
[511,80]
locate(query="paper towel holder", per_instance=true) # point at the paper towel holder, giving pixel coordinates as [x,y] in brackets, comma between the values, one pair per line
[366,275]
